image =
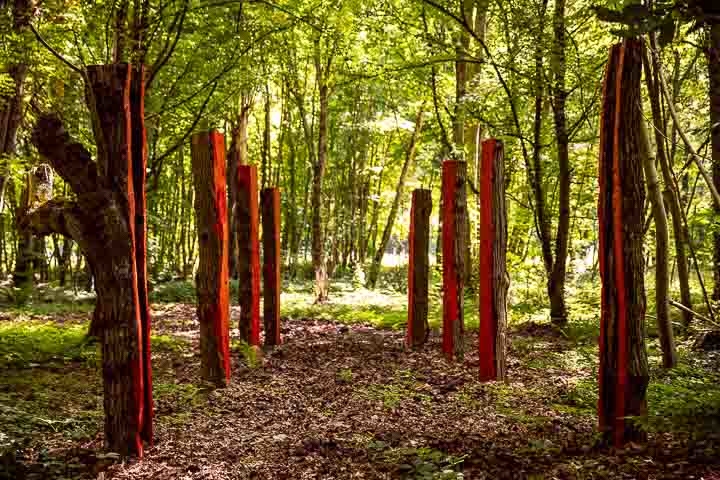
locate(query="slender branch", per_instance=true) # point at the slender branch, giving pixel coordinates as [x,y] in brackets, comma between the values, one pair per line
[681,132]
[53,51]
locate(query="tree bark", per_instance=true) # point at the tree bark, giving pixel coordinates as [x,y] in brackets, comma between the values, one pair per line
[556,283]
[419,268]
[318,254]
[453,241]
[623,374]
[103,221]
[248,254]
[387,231]
[213,290]
[494,280]
[270,199]
[713,57]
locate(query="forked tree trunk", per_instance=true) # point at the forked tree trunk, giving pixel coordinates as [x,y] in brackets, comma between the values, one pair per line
[213,289]
[454,228]
[103,220]
[623,374]
[271,264]
[248,253]
[493,277]
[418,268]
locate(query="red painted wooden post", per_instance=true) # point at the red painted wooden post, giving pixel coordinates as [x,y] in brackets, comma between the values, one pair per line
[623,374]
[493,278]
[248,254]
[270,200]
[454,212]
[418,268]
[208,164]
[139,167]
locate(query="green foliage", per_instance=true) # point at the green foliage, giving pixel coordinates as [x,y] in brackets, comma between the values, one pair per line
[248,352]
[684,399]
[27,343]
[420,463]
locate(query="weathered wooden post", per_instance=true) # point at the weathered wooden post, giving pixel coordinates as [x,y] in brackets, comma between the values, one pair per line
[493,279]
[213,290]
[248,254]
[270,200]
[623,376]
[454,227]
[418,268]
[138,145]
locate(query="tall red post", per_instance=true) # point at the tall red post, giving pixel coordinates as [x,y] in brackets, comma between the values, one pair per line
[213,290]
[248,253]
[454,230]
[493,278]
[623,373]
[270,200]
[138,145]
[418,268]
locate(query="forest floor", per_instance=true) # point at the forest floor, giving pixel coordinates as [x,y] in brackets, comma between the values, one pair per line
[340,400]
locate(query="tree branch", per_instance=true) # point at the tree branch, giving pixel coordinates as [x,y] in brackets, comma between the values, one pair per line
[69,158]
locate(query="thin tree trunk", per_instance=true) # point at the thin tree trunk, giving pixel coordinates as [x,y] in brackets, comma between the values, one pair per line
[387,231]
[318,254]
[670,193]
[556,284]
[662,239]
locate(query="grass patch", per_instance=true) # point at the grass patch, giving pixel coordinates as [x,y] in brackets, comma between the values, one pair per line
[421,463]
[26,343]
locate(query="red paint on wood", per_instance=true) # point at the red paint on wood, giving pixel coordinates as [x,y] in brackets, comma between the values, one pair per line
[411,274]
[271,264]
[619,260]
[486,328]
[221,312]
[451,309]
[605,294]
[139,167]
[247,186]
[136,358]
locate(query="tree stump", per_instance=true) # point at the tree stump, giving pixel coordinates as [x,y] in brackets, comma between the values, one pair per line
[493,279]
[270,200]
[419,268]
[623,375]
[454,226]
[213,289]
[248,253]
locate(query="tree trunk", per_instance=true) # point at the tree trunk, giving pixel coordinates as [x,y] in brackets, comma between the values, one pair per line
[237,155]
[419,268]
[713,57]
[556,284]
[387,231]
[662,239]
[11,104]
[213,290]
[248,254]
[493,277]
[453,240]
[623,374]
[670,193]
[103,221]
[318,254]
[265,165]
[271,264]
